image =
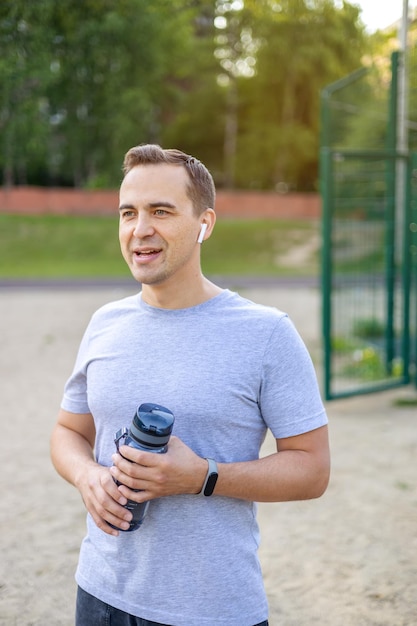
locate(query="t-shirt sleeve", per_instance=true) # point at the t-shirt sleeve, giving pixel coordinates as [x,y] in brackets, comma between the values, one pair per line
[290,398]
[75,398]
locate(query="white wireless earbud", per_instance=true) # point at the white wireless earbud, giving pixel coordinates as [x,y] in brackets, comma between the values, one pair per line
[202,233]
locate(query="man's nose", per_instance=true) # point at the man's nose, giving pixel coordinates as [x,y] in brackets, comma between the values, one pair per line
[143,226]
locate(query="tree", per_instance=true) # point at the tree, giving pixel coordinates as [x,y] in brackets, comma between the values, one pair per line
[117,65]
[88,80]
[23,76]
[302,47]
[237,83]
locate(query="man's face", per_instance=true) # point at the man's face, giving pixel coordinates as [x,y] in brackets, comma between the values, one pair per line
[158,228]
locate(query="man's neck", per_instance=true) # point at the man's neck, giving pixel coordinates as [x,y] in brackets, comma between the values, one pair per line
[180,296]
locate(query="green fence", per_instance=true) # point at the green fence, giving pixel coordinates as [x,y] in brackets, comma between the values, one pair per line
[369,193]
[413,256]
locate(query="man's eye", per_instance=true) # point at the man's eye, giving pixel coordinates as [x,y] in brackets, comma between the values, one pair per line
[160,212]
[127,213]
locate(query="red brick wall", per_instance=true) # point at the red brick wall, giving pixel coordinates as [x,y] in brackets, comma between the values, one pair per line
[268,204]
[249,204]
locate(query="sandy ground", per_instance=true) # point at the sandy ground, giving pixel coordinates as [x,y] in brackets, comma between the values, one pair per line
[348,559]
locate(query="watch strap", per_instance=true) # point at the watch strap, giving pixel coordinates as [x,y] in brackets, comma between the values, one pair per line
[211,478]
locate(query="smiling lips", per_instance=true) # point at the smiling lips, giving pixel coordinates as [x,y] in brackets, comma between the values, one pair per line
[146,255]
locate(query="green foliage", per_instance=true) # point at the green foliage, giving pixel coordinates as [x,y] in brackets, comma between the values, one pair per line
[366,365]
[343,345]
[84,81]
[69,246]
[412,401]
[358,116]
[102,74]
[368,328]
[303,46]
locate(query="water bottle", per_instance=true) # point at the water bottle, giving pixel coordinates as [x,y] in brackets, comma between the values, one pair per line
[150,430]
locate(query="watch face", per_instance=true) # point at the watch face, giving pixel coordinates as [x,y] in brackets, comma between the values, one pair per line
[211,483]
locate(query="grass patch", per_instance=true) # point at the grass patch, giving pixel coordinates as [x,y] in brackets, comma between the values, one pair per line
[405,401]
[87,246]
[54,246]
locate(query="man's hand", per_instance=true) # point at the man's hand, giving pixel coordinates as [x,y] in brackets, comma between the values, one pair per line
[178,471]
[72,453]
[103,500]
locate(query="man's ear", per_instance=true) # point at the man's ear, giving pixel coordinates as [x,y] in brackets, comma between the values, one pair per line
[208,220]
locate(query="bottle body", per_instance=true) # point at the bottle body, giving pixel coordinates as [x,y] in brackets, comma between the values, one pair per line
[138,509]
[150,431]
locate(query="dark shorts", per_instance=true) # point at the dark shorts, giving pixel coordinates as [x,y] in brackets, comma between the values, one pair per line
[90,610]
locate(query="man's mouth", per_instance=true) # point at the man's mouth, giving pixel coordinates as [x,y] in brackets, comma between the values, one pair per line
[146,254]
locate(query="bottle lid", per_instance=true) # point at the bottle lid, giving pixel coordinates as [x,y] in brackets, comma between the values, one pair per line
[152,425]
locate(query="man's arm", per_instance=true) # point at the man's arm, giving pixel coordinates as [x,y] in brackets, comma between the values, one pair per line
[299,470]
[72,453]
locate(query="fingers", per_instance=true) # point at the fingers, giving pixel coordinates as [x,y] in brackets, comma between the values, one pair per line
[138,482]
[145,475]
[104,501]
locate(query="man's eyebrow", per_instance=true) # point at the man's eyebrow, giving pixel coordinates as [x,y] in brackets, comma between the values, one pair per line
[161,203]
[122,207]
[151,205]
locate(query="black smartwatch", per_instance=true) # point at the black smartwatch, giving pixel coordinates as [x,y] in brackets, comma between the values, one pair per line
[211,478]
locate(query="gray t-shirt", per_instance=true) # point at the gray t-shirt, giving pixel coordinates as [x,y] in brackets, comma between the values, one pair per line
[228,369]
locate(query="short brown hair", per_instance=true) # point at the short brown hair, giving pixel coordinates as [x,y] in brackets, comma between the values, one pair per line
[200,189]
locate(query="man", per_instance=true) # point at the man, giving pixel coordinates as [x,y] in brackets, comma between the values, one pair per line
[228,369]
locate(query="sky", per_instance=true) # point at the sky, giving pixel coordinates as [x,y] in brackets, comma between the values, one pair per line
[381,13]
